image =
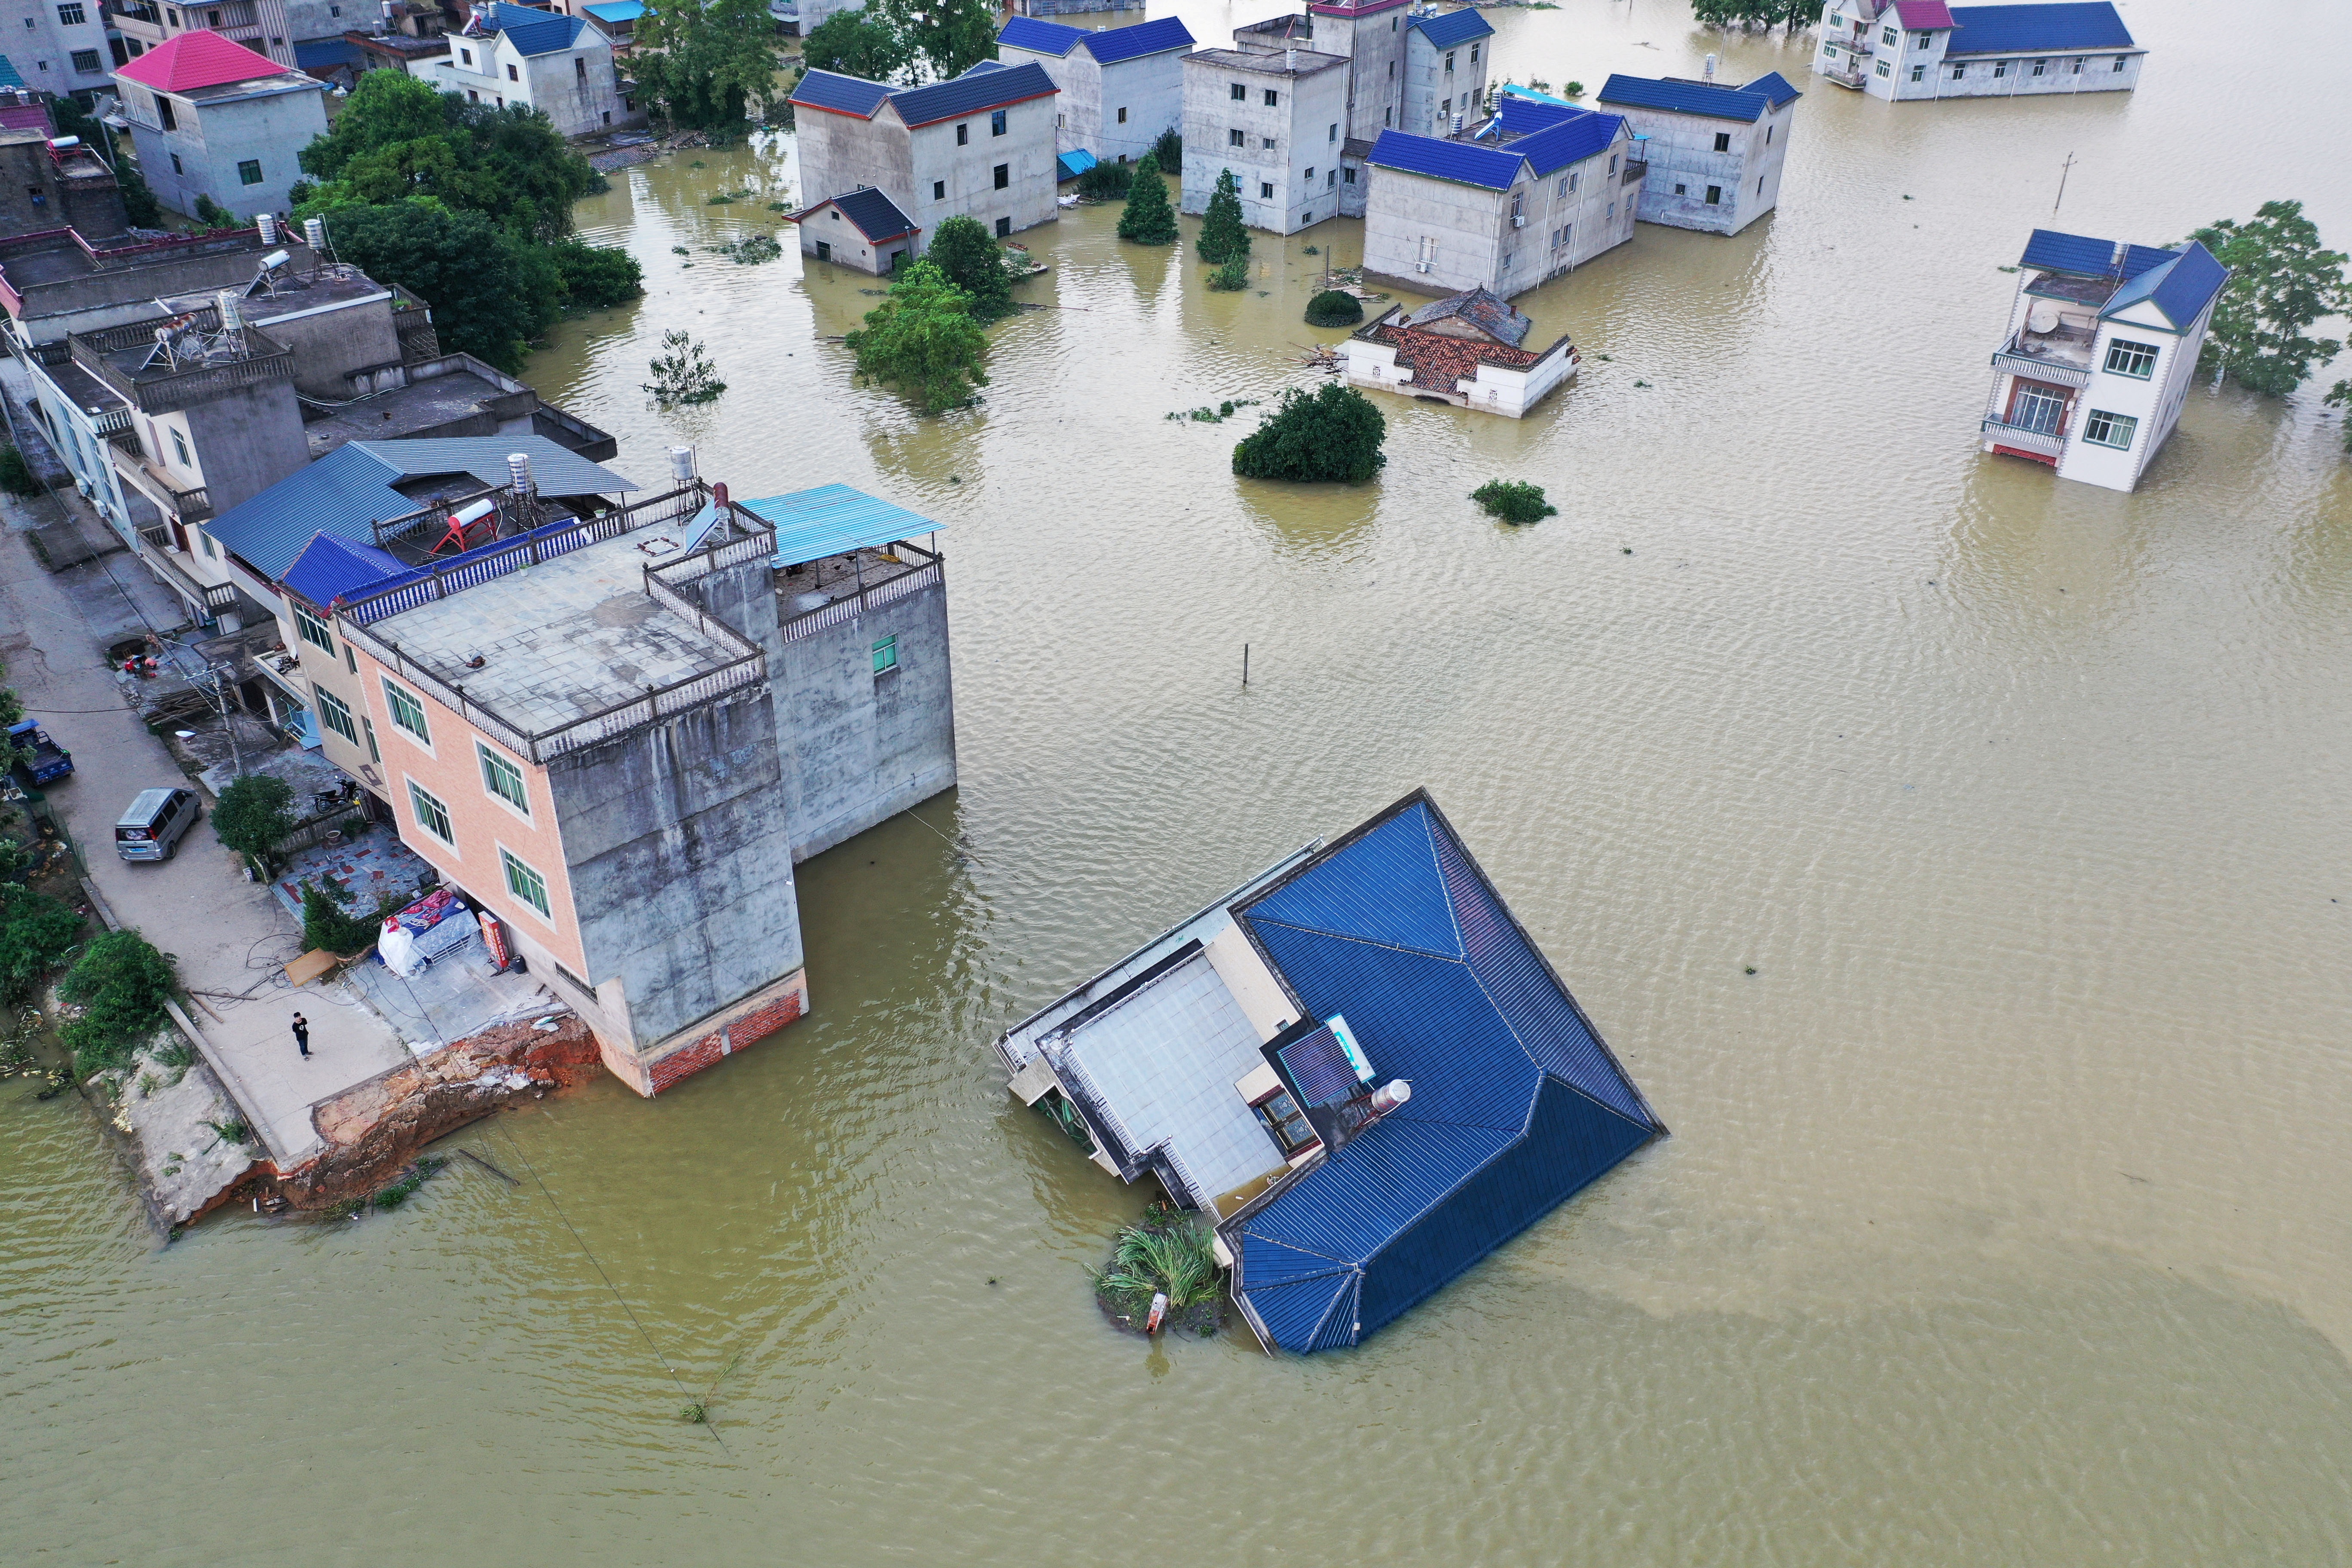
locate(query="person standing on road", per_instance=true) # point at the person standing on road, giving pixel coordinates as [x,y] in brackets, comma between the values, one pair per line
[302,1035]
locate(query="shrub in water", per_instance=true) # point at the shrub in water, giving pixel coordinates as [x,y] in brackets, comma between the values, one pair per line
[1232,277]
[1333,434]
[1334,308]
[120,983]
[1106,182]
[973,260]
[1514,500]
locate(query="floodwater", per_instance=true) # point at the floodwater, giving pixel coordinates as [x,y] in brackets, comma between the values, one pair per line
[2008,1215]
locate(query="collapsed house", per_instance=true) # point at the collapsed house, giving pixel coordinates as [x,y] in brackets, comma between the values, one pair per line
[1467,349]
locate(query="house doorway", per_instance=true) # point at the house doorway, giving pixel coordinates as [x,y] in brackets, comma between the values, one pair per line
[823,251]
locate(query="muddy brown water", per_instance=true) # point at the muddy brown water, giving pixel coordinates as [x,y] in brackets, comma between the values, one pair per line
[2006,1216]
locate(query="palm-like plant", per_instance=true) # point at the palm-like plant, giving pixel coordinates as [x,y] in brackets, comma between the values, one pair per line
[1163,1251]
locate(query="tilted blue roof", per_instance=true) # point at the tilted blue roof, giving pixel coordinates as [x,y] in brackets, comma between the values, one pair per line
[1687,97]
[1464,162]
[970,93]
[842,94]
[8,75]
[1516,1102]
[1040,38]
[833,520]
[2058,252]
[2086,24]
[876,215]
[2181,288]
[330,566]
[1074,163]
[1452,28]
[1567,142]
[1112,45]
[352,487]
[530,31]
[1774,87]
[1523,116]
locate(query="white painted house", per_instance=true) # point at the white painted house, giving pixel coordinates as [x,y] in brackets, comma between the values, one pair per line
[1469,348]
[1277,119]
[2102,346]
[977,145]
[1907,49]
[1539,189]
[1445,61]
[211,118]
[560,66]
[1714,153]
[1121,87]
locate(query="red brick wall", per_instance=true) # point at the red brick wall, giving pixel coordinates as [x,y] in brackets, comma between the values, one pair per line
[747,1027]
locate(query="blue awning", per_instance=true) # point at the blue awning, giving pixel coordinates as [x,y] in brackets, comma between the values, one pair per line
[1075,162]
[833,520]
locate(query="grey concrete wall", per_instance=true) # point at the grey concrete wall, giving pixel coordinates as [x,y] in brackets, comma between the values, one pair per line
[246,442]
[212,141]
[1468,234]
[1375,48]
[329,344]
[1746,175]
[1151,91]
[839,154]
[967,172]
[1307,122]
[1433,94]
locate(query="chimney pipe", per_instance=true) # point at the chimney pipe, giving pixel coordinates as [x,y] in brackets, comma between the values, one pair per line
[1710,69]
[719,496]
[1390,1095]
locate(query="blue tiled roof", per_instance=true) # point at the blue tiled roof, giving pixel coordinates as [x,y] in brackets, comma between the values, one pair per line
[876,215]
[833,520]
[352,487]
[1113,45]
[2181,288]
[1521,116]
[1686,97]
[8,77]
[1516,1103]
[1040,38]
[1774,87]
[1452,28]
[325,54]
[533,32]
[2058,252]
[842,94]
[1461,162]
[330,566]
[2085,25]
[1569,142]
[970,94]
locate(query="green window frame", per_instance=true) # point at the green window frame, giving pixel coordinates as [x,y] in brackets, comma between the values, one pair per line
[336,714]
[525,883]
[407,711]
[431,814]
[313,630]
[503,779]
[248,171]
[2106,430]
[2135,360]
[886,655]
[375,752]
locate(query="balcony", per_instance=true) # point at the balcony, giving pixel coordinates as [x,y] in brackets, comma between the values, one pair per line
[2048,444]
[1635,168]
[155,549]
[130,464]
[2062,356]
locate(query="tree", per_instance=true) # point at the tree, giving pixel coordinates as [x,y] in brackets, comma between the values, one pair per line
[1106,182]
[2281,281]
[1332,434]
[1169,150]
[1514,500]
[596,276]
[2339,396]
[1232,277]
[949,35]
[923,342]
[707,65]
[35,933]
[1334,308]
[1222,236]
[484,300]
[973,261]
[253,814]
[685,374]
[121,983]
[1148,219]
[327,927]
[861,43]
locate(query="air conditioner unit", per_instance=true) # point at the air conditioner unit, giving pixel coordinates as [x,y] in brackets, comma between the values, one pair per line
[1518,220]
[1421,266]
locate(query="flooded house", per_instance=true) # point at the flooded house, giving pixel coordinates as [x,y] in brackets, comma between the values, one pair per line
[1714,153]
[1904,50]
[2100,348]
[1468,349]
[1120,87]
[1357,1065]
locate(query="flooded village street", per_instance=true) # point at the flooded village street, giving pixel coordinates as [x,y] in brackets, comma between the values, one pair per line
[1952,856]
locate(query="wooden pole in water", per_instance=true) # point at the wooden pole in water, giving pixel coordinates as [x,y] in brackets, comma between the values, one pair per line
[1244,666]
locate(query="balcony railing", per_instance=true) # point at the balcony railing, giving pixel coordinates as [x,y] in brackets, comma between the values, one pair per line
[2018,357]
[2027,437]
[191,507]
[181,389]
[1635,168]
[852,607]
[154,545]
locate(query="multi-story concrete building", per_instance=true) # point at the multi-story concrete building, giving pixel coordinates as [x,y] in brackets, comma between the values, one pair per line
[619,727]
[1906,50]
[1540,189]
[62,47]
[1121,87]
[260,26]
[211,118]
[45,187]
[981,144]
[1445,61]
[1278,120]
[1714,153]
[558,65]
[2102,346]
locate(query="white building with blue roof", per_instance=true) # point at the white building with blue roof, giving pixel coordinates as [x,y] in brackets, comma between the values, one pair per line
[1539,189]
[561,66]
[1905,51]
[1446,57]
[1357,1065]
[1714,153]
[1120,87]
[2102,348]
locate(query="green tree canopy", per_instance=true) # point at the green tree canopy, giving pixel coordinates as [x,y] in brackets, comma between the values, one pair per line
[1223,238]
[922,341]
[707,65]
[486,300]
[862,43]
[35,933]
[1333,434]
[949,36]
[973,260]
[254,813]
[2282,281]
[121,984]
[1147,218]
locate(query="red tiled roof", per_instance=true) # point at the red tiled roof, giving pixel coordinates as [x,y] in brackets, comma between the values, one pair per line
[200,59]
[1438,361]
[1917,16]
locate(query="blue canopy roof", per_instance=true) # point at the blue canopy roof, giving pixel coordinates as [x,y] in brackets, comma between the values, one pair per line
[617,10]
[1112,45]
[1516,1103]
[1040,38]
[530,31]
[833,520]
[2181,288]
[1074,163]
[2085,24]
[330,566]
[8,77]
[325,54]
[1746,103]
[1452,28]
[2055,251]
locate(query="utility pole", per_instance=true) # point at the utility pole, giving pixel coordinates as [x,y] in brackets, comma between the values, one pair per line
[2062,170]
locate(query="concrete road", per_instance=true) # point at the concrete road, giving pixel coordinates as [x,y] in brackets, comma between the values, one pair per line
[230,935]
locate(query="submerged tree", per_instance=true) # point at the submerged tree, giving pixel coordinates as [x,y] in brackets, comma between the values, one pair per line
[2282,281]
[1148,220]
[861,43]
[1331,435]
[708,65]
[1513,501]
[1334,308]
[684,373]
[973,260]
[949,35]
[922,341]
[1224,237]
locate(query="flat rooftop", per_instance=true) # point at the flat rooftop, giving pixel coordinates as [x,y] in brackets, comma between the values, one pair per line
[564,640]
[32,263]
[420,408]
[294,293]
[1265,62]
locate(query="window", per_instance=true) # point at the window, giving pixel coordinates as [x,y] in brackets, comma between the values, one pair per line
[167,11]
[2037,408]
[1612,209]
[1350,175]
[1682,190]
[1768,130]
[1003,228]
[179,446]
[579,68]
[1714,196]
[1612,163]
[1760,185]
[963,135]
[2041,67]
[1264,191]
[1567,233]
[1122,117]
[314,630]
[1885,35]
[2121,60]
[1572,179]
[2104,429]
[376,753]
[2000,69]
[1272,98]
[2131,359]
[1280,1116]
[1883,70]
[1332,134]
[996,123]
[86,61]
[1829,51]
[336,714]
[1331,179]
[513,75]
[1920,41]
[502,779]
[525,883]
[248,172]
[1004,173]
[1235,138]
[1960,71]
[71,16]
[1310,176]
[466,56]
[2074,66]
[1722,141]
[1836,20]
[407,711]
[1444,108]
[1449,62]
[1269,143]
[1918,73]
[350,659]
[1241,93]
[171,123]
[1473,54]
[431,814]
[886,655]
[939,190]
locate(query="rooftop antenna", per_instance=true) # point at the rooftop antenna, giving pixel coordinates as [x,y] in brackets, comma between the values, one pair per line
[2062,171]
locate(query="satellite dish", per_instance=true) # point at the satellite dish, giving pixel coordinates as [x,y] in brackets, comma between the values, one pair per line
[2042,317]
